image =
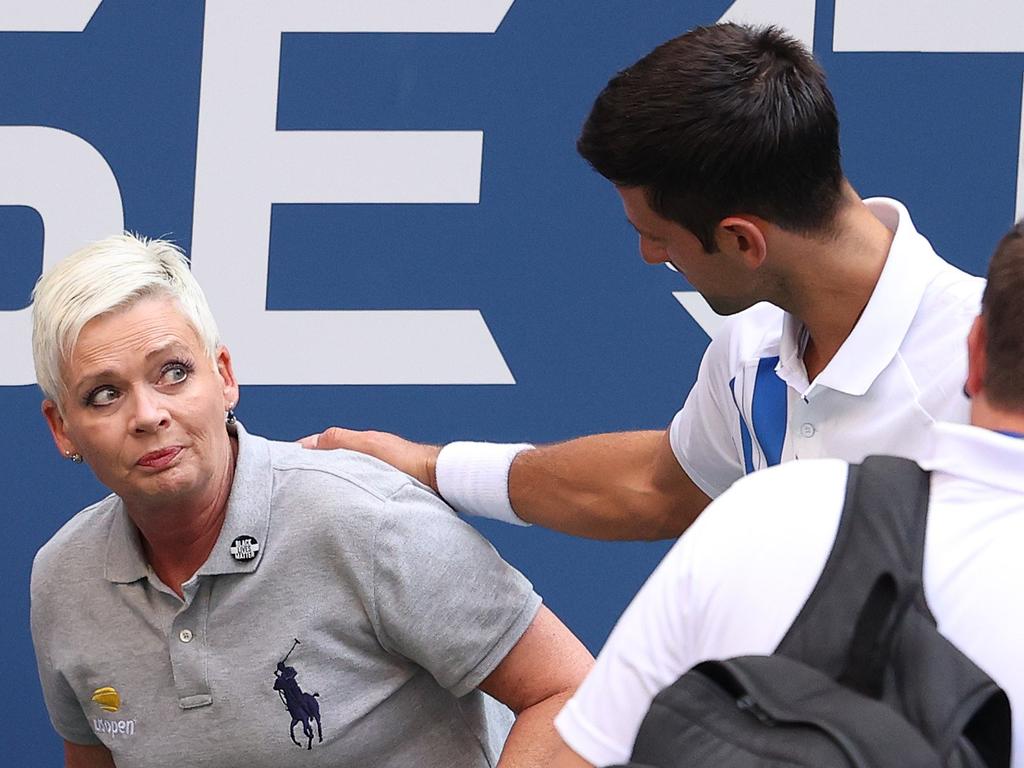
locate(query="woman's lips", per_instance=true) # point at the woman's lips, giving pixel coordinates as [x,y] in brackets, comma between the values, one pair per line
[159,459]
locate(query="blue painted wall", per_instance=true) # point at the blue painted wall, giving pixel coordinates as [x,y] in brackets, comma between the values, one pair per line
[594,338]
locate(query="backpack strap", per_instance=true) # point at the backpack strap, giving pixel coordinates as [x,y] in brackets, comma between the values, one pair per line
[875,565]
[867,625]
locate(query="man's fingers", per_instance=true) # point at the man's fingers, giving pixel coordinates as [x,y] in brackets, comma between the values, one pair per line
[338,437]
[335,437]
[412,458]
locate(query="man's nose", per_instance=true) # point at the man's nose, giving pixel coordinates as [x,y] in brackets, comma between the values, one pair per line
[652,253]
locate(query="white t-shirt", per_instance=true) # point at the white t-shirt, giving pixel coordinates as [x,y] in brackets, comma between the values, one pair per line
[901,369]
[735,581]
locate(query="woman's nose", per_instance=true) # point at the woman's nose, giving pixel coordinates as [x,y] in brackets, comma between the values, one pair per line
[150,412]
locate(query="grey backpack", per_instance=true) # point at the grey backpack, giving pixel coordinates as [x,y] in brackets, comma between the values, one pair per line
[862,678]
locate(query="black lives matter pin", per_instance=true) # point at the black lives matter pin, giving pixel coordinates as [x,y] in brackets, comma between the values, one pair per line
[244,548]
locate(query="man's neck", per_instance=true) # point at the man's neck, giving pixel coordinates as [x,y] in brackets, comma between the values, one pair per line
[828,282]
[988,416]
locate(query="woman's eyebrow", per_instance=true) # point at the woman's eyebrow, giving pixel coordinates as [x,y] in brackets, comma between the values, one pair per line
[164,349]
[171,346]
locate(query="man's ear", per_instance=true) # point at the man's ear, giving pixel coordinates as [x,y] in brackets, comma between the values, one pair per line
[227,377]
[54,420]
[743,238]
[977,359]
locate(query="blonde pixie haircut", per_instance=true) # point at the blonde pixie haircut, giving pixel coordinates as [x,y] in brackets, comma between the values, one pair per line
[108,276]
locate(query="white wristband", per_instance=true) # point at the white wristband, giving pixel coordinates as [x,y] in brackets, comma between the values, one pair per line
[473,478]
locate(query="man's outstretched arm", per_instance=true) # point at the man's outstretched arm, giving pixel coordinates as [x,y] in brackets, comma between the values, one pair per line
[623,485]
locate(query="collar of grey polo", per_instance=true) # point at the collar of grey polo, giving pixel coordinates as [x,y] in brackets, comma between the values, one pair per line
[242,538]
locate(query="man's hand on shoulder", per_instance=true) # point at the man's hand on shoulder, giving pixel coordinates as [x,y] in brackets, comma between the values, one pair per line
[414,459]
[623,485]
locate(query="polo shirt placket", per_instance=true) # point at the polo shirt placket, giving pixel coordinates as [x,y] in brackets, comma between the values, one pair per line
[247,516]
[187,646]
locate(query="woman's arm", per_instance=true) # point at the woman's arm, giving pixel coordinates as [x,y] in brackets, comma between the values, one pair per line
[87,756]
[534,680]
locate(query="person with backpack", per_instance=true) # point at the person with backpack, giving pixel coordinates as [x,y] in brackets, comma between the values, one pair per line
[797,561]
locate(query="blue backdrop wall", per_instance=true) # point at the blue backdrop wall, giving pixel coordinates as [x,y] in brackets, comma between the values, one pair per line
[385,205]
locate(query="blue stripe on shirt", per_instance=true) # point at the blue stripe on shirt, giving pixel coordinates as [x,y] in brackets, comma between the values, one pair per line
[768,411]
[748,451]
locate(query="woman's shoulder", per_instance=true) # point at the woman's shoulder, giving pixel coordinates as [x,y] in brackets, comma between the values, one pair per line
[81,541]
[340,478]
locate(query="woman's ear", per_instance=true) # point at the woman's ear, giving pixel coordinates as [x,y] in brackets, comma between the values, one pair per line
[227,376]
[55,421]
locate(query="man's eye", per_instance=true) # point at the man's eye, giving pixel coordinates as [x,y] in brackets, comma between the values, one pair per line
[101,396]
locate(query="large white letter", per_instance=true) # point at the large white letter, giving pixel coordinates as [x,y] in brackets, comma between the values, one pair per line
[244,164]
[60,175]
[46,15]
[936,26]
[73,190]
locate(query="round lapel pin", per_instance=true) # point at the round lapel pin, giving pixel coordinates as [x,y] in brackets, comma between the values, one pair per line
[244,548]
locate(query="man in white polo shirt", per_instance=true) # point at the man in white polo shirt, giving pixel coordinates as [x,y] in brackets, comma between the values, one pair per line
[733,584]
[724,147]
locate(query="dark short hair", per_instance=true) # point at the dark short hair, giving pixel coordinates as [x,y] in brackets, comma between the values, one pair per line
[722,120]
[1002,305]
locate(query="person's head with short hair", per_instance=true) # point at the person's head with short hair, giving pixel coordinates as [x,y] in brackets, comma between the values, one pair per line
[997,339]
[104,277]
[137,383]
[723,120]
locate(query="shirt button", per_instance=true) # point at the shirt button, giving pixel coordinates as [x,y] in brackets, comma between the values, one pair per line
[185,635]
[807,430]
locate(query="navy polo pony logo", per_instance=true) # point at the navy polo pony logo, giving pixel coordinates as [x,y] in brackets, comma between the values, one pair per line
[302,706]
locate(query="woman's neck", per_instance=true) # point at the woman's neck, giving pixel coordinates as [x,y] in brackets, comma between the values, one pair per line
[177,539]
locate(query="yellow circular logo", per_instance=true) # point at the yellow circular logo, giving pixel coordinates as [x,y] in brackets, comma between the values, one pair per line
[108,699]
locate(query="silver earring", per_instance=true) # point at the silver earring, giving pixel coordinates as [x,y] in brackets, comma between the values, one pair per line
[229,417]
[76,458]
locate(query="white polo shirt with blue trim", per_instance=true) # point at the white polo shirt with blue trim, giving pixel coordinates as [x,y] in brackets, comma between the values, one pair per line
[901,369]
[736,580]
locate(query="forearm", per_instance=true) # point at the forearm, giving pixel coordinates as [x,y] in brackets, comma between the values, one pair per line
[535,680]
[87,756]
[533,740]
[624,485]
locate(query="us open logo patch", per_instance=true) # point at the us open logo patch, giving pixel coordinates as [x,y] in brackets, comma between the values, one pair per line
[244,548]
[108,699]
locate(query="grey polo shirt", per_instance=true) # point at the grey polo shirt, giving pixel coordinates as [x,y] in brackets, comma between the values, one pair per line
[399,609]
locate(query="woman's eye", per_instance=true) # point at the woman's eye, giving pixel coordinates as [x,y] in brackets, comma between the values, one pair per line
[102,396]
[174,373]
